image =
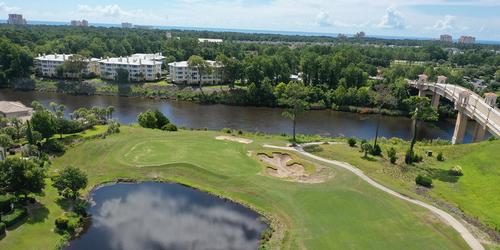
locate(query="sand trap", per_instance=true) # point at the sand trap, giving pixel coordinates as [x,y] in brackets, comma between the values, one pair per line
[234,139]
[278,166]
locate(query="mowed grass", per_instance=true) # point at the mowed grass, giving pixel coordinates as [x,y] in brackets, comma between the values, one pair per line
[342,213]
[477,192]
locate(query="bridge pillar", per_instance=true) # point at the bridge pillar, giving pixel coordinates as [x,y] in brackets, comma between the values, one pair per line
[435,100]
[479,132]
[460,128]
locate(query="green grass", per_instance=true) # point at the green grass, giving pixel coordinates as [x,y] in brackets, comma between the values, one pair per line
[476,192]
[342,213]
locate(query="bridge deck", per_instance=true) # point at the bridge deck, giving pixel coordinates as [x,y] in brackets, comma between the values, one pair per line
[476,108]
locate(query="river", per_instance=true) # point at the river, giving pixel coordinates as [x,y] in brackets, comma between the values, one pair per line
[267,120]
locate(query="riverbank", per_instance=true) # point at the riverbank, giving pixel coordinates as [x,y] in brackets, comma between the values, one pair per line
[213,94]
[341,212]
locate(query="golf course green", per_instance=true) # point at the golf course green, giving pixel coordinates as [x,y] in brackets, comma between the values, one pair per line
[343,212]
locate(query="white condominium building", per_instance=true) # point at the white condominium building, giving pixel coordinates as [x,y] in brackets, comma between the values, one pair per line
[140,67]
[46,65]
[180,72]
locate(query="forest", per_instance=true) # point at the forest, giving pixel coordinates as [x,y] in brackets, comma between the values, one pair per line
[338,73]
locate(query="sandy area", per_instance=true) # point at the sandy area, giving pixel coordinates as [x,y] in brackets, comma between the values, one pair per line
[278,166]
[233,139]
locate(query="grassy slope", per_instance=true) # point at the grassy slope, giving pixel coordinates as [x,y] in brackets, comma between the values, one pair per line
[344,212]
[476,193]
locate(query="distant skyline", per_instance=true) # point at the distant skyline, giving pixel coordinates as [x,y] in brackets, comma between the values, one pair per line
[412,18]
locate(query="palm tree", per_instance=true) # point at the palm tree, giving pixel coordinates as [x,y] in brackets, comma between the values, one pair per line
[383,98]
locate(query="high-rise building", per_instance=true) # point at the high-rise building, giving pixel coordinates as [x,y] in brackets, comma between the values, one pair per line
[127,25]
[78,23]
[467,40]
[446,38]
[360,35]
[16,19]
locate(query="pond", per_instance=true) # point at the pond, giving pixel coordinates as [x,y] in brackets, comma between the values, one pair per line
[153,215]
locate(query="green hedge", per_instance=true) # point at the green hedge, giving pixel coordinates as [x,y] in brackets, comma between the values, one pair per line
[5,201]
[17,215]
[2,228]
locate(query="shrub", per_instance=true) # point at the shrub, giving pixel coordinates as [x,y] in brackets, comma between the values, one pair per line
[423,181]
[440,156]
[226,130]
[240,132]
[376,150]
[53,147]
[62,222]
[417,158]
[15,216]
[391,153]
[351,141]
[5,203]
[73,224]
[411,157]
[169,127]
[456,171]
[2,228]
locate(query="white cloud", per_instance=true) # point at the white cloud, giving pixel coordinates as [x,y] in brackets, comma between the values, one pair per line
[111,10]
[323,19]
[392,19]
[448,23]
[5,8]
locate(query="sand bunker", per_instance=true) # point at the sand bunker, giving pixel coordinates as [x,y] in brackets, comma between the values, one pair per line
[234,139]
[279,166]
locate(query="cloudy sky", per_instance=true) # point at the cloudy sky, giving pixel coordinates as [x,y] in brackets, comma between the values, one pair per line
[417,18]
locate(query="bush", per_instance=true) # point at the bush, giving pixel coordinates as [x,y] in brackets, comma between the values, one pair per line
[62,223]
[423,181]
[440,156]
[53,147]
[17,215]
[391,153]
[2,228]
[169,127]
[226,130]
[456,171]
[376,150]
[411,157]
[240,132]
[5,203]
[351,141]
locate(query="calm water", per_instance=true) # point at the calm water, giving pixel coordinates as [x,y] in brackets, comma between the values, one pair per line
[268,120]
[166,216]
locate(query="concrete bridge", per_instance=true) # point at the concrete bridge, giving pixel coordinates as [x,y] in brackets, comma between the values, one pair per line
[468,104]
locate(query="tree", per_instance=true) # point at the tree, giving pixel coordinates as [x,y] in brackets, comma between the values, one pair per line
[45,123]
[22,177]
[6,141]
[122,75]
[70,181]
[147,119]
[75,65]
[109,111]
[366,148]
[202,67]
[29,133]
[422,111]
[161,119]
[382,97]
[294,98]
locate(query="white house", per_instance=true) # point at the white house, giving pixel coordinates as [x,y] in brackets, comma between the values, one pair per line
[139,66]
[46,65]
[180,72]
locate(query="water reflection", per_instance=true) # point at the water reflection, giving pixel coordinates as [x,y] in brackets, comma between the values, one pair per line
[166,216]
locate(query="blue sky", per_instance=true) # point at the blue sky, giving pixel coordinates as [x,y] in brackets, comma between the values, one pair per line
[416,18]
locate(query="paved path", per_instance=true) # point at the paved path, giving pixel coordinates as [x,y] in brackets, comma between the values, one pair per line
[462,230]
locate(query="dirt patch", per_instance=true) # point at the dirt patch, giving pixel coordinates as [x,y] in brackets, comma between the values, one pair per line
[233,139]
[282,166]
